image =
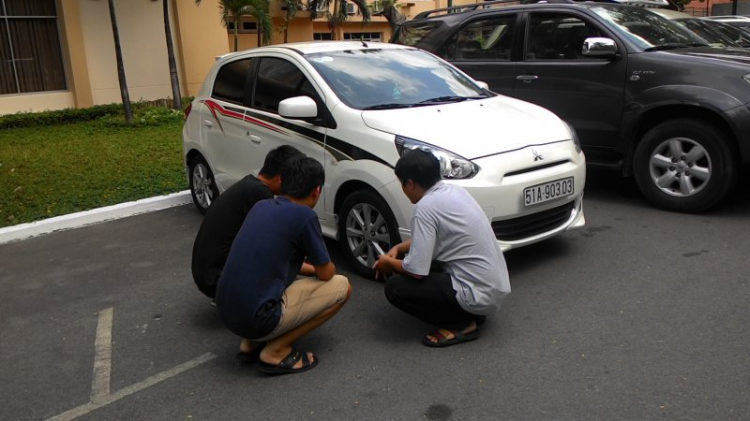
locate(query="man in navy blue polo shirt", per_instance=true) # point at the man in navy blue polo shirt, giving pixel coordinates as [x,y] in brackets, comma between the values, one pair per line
[259,296]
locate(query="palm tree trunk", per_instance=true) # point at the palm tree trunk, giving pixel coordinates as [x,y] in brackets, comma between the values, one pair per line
[120,65]
[236,31]
[176,97]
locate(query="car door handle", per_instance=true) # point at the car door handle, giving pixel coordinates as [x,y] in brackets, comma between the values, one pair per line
[254,138]
[208,123]
[527,78]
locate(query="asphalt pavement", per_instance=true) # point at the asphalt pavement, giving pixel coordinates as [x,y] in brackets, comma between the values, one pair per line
[642,315]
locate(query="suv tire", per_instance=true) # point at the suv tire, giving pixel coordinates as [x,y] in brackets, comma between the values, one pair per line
[366,223]
[685,166]
[202,184]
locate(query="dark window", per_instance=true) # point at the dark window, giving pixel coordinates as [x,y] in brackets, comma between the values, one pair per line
[487,39]
[245,26]
[230,81]
[556,36]
[322,36]
[363,36]
[30,53]
[413,34]
[278,80]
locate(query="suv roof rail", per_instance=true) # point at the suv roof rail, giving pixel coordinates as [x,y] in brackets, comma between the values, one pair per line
[666,4]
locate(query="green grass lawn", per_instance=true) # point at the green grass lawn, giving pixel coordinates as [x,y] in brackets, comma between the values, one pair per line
[58,169]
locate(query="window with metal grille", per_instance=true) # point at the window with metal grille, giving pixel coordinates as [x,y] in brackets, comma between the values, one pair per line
[364,36]
[30,52]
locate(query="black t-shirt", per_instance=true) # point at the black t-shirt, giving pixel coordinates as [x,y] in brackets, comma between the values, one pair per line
[220,225]
[266,257]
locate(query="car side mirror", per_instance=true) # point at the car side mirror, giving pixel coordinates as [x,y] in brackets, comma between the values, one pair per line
[300,107]
[483,85]
[599,47]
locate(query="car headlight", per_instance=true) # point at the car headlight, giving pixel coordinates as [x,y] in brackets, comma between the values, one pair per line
[452,166]
[574,137]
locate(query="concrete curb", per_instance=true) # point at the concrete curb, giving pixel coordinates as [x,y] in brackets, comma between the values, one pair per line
[94,216]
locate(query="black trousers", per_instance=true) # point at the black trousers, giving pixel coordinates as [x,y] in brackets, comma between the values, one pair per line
[431,299]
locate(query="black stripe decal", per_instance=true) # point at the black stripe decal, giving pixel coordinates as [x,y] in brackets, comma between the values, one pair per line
[340,149]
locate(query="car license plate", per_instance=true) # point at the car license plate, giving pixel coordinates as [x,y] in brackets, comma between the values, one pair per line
[548,191]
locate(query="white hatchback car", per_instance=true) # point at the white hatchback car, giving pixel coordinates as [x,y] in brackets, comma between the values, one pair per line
[355,107]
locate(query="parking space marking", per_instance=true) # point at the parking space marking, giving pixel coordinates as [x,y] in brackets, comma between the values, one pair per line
[102,357]
[100,384]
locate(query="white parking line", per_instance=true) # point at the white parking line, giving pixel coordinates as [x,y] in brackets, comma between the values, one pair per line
[100,384]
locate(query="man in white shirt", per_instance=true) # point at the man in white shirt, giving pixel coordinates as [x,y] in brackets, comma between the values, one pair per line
[453,274]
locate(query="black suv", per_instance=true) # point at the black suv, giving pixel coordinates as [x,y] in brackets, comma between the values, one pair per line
[645,95]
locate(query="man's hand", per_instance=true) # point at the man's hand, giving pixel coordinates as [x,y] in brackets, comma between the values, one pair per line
[383,267]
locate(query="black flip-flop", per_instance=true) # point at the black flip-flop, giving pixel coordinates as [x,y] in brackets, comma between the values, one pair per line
[443,341]
[286,366]
[251,357]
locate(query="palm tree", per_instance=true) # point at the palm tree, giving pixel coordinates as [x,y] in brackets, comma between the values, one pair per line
[176,96]
[391,14]
[120,66]
[292,7]
[233,11]
[339,15]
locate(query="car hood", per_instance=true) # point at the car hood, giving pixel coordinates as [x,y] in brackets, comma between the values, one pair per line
[736,55]
[473,128]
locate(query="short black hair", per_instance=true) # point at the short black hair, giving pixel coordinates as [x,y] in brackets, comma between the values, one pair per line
[419,166]
[300,176]
[276,159]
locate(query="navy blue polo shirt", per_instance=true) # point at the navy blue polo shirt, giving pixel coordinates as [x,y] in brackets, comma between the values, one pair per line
[266,256]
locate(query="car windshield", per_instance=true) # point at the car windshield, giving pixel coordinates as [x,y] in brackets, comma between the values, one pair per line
[713,32]
[393,78]
[647,29]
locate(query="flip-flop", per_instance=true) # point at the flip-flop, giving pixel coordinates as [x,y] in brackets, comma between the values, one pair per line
[286,366]
[443,340]
[251,357]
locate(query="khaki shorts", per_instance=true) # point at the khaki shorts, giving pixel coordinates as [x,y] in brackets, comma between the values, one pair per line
[306,298]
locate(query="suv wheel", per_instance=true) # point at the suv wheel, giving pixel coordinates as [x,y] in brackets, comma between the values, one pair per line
[202,184]
[685,166]
[367,228]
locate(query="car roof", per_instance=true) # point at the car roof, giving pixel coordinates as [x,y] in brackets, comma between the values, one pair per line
[311,47]
[728,17]
[672,14]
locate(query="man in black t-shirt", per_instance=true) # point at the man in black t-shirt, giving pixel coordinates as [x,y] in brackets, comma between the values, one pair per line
[226,215]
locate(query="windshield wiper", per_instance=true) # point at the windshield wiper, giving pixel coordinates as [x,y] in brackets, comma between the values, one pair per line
[447,98]
[391,106]
[674,46]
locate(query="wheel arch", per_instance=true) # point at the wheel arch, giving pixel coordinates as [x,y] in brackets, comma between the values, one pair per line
[658,115]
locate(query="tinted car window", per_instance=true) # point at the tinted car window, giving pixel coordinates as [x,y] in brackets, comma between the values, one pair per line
[278,80]
[412,34]
[557,36]
[710,32]
[487,39]
[230,81]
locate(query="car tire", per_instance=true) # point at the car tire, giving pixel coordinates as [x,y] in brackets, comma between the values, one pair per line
[202,184]
[685,166]
[367,228]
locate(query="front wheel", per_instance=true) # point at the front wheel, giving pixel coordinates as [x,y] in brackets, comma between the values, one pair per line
[367,229]
[202,184]
[685,166]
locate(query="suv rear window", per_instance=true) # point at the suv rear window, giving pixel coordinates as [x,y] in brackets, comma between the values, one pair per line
[412,34]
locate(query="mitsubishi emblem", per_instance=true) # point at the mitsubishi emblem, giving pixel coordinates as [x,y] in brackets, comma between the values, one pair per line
[537,156]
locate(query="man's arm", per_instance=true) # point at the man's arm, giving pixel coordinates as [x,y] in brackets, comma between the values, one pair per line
[325,271]
[400,249]
[386,265]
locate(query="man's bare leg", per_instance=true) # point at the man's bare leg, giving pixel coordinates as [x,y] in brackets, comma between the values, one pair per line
[278,348]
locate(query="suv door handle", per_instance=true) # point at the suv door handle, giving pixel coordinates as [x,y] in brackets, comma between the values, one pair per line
[208,123]
[527,78]
[254,138]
